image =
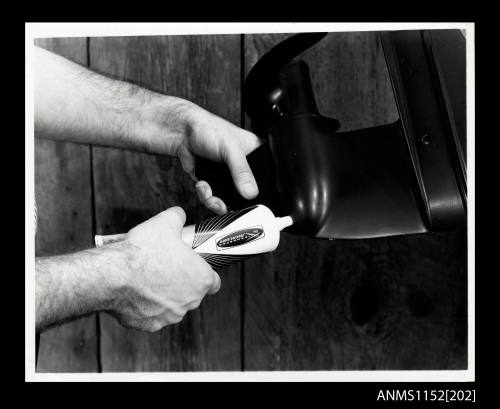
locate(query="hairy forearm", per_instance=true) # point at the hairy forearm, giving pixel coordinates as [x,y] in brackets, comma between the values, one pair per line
[73,103]
[70,286]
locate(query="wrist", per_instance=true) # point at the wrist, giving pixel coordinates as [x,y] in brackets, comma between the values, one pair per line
[120,277]
[117,266]
[164,123]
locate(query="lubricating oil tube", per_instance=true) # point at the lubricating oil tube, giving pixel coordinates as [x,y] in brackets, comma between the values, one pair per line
[234,236]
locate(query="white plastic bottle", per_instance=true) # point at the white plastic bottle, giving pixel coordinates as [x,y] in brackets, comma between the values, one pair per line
[225,239]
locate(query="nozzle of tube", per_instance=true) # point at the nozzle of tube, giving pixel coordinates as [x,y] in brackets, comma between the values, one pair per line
[284,222]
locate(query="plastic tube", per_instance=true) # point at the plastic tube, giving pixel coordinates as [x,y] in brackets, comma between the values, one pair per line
[234,236]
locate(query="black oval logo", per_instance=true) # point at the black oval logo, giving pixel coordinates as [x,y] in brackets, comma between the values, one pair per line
[240,237]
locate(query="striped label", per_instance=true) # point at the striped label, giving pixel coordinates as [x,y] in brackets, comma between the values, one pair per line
[218,261]
[208,228]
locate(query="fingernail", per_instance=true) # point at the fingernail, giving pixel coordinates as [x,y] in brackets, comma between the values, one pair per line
[202,188]
[249,189]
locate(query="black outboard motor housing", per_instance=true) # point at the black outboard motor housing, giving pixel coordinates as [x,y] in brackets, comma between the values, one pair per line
[401,178]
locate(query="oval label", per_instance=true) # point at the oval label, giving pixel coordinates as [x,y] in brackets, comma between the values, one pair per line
[240,237]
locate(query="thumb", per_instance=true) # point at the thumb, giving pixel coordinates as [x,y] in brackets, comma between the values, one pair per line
[240,171]
[173,219]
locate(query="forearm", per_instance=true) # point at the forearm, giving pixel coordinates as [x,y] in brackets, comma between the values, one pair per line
[75,104]
[77,284]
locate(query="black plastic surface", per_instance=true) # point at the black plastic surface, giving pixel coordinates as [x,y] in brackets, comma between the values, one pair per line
[421,99]
[401,178]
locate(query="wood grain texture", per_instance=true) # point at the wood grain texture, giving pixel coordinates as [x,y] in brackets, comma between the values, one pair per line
[388,303]
[63,195]
[131,187]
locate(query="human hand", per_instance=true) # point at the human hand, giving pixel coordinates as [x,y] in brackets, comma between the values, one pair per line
[166,277]
[109,112]
[212,137]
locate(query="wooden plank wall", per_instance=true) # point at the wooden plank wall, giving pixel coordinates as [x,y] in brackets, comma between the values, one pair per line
[391,303]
